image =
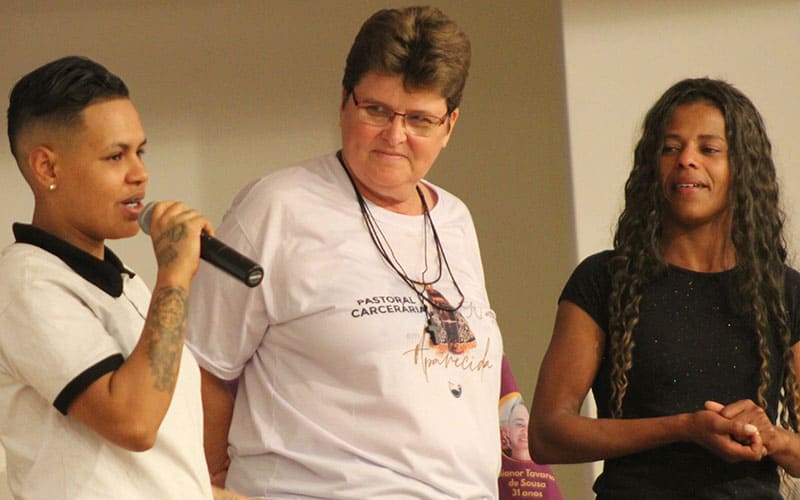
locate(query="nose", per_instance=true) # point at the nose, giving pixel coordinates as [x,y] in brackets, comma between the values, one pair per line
[395,132]
[688,157]
[137,174]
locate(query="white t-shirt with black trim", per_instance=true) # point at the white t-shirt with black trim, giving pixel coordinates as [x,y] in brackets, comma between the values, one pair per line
[66,319]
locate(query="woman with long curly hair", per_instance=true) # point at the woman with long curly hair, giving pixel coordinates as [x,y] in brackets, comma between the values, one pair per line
[687,330]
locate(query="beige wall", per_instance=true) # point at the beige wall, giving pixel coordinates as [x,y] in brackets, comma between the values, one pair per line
[230,90]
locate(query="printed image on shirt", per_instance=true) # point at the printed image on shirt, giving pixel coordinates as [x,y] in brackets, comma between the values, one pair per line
[514,430]
[448,329]
[520,476]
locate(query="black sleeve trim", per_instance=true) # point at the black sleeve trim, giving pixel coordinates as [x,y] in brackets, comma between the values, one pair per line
[84,380]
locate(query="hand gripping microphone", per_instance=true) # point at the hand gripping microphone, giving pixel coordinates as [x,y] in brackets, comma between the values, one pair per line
[217,253]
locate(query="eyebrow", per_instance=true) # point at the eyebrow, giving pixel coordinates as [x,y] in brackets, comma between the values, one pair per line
[125,146]
[368,100]
[701,136]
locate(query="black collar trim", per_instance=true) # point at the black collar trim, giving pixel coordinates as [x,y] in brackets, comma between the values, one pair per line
[104,274]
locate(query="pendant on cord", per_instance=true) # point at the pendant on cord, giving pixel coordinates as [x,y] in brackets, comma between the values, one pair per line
[447,328]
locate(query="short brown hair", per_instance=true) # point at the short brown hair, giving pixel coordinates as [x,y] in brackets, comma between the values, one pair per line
[422,44]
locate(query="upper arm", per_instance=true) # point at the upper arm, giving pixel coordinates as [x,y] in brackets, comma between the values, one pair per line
[217,414]
[570,364]
[796,359]
[214,389]
[95,409]
[61,352]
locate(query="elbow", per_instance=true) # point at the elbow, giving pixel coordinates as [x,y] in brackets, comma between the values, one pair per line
[541,451]
[541,457]
[140,443]
[137,440]
[536,450]
[133,435]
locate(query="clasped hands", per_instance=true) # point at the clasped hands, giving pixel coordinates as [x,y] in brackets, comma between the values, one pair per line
[740,431]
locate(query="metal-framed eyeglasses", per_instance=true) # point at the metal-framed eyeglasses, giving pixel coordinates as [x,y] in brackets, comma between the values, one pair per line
[415,123]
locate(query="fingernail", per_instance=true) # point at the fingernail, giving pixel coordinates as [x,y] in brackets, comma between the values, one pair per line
[751,428]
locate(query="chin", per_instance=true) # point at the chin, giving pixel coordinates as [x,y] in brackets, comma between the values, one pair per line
[123,232]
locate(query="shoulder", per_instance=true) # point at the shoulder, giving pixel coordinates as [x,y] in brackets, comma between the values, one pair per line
[593,268]
[22,264]
[21,253]
[287,181]
[31,276]
[276,203]
[449,207]
[589,286]
[791,284]
[595,263]
[296,185]
[792,277]
[445,198]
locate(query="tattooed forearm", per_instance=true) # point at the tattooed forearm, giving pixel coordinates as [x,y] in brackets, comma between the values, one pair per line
[167,325]
[165,253]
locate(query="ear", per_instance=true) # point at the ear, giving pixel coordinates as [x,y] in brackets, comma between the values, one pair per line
[451,123]
[41,167]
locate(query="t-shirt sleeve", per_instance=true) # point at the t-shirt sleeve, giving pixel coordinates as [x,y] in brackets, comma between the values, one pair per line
[792,286]
[589,287]
[53,341]
[228,320]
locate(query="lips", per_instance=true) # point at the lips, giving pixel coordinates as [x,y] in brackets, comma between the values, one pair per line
[389,153]
[689,185]
[133,204]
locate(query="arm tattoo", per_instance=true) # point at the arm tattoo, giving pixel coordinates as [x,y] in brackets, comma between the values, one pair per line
[165,253]
[167,324]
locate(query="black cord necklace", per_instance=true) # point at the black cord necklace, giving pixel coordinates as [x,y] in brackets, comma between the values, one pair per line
[382,244]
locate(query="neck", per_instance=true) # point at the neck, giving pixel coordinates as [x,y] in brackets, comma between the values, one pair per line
[697,253]
[44,220]
[405,200]
[406,203]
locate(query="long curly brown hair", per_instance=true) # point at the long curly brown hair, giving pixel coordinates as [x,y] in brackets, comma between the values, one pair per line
[757,236]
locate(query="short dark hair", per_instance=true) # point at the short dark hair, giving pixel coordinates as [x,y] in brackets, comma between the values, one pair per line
[422,44]
[57,93]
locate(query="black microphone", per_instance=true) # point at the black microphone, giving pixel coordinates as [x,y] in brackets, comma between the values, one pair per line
[217,253]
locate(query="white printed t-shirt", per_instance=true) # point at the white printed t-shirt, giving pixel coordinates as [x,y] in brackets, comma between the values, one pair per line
[66,319]
[341,395]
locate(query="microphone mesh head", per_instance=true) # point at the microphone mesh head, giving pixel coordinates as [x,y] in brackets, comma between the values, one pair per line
[146,217]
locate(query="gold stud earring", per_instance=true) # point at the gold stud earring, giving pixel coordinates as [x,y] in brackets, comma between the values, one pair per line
[53,186]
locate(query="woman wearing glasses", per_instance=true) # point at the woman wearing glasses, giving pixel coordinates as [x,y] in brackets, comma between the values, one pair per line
[368,359]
